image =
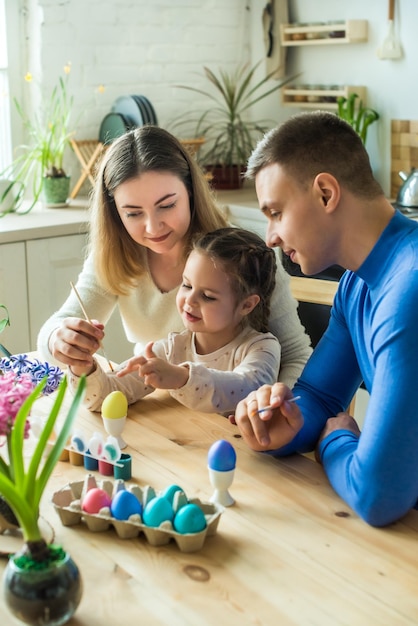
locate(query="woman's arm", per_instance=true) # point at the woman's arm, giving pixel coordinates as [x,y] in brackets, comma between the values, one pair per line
[286,326]
[66,330]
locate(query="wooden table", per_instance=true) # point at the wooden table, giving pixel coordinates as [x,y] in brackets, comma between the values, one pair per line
[288,552]
[314,290]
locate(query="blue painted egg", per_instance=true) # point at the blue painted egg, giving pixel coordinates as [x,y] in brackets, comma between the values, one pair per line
[222,456]
[170,492]
[125,504]
[157,511]
[189,519]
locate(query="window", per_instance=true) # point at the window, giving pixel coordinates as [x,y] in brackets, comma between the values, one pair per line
[5,122]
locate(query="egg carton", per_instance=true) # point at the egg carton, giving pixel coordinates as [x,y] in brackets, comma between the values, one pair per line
[67,503]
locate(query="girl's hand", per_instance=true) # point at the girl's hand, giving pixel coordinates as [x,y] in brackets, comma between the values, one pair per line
[156,372]
[271,429]
[75,341]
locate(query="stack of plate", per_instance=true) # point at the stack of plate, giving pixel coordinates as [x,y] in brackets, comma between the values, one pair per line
[127,112]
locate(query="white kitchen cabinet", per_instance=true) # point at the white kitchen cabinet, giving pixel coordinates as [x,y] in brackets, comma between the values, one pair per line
[13,294]
[35,280]
[52,264]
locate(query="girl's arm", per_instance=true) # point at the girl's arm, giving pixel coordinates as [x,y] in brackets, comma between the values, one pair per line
[219,391]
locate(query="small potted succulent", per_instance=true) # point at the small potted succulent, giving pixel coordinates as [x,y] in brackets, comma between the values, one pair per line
[38,165]
[39,566]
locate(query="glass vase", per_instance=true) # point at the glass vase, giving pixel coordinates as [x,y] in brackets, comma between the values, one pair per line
[43,597]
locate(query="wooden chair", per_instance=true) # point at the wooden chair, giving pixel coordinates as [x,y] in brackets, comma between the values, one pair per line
[88,152]
[318,292]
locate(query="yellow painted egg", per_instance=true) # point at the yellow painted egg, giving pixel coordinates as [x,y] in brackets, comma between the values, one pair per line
[115,405]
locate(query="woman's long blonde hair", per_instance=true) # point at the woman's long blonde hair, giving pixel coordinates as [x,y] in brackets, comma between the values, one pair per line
[119,260]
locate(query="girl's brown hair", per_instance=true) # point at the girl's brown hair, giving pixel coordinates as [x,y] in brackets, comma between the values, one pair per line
[250,264]
[119,260]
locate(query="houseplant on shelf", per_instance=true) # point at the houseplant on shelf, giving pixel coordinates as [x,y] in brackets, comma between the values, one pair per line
[41,583]
[38,165]
[356,114]
[230,133]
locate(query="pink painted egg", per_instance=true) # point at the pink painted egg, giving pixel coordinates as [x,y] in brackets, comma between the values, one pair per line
[95,499]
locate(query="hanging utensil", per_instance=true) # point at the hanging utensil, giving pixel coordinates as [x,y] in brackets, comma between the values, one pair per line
[390,48]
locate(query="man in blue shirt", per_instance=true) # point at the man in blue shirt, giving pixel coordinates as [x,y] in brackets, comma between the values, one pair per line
[315,185]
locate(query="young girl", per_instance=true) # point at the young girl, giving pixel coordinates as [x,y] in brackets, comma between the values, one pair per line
[225,351]
[150,202]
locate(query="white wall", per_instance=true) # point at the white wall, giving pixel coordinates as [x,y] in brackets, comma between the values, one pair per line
[149,46]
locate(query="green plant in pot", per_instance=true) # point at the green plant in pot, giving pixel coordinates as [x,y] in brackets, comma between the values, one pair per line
[37,169]
[41,583]
[229,131]
[356,114]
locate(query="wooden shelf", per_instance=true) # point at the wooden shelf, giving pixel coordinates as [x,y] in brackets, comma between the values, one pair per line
[319,96]
[314,34]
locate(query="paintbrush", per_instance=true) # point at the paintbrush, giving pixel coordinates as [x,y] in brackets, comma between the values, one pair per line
[267,408]
[89,320]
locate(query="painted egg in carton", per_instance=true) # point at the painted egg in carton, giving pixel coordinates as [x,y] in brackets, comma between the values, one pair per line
[68,503]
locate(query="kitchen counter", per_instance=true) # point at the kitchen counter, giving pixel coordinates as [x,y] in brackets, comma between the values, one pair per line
[43,222]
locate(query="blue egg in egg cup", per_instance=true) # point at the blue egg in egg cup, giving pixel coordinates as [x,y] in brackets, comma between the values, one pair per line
[221,466]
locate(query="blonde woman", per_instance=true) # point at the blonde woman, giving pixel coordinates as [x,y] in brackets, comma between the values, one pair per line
[150,202]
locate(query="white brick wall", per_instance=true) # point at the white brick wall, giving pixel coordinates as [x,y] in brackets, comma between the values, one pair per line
[137,47]
[131,47]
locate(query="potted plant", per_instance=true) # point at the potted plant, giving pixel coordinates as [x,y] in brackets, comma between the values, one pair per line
[356,114]
[41,583]
[230,133]
[38,166]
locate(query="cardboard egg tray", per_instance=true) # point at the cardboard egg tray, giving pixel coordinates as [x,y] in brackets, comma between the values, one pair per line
[67,503]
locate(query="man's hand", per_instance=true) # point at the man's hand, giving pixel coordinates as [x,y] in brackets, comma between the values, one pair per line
[273,428]
[342,421]
[156,372]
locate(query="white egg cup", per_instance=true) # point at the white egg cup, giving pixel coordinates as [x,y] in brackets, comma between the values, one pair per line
[114,427]
[221,481]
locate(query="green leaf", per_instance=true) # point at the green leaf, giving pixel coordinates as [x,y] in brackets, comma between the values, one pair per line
[62,438]
[23,490]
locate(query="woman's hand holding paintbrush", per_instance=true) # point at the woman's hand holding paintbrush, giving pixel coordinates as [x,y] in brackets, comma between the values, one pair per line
[77,369]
